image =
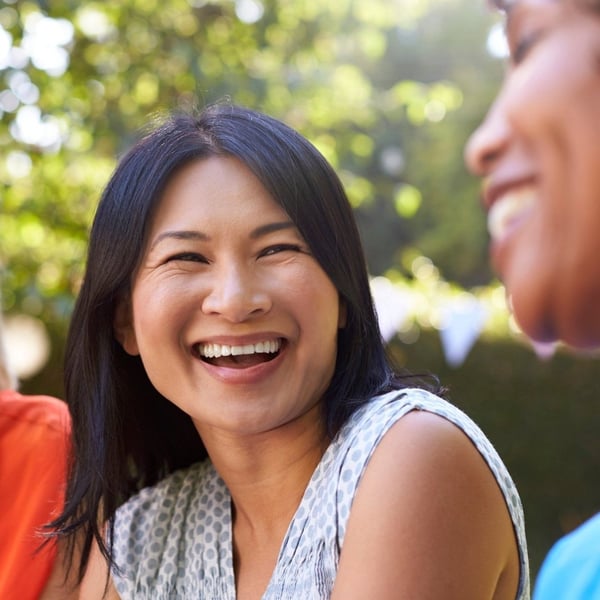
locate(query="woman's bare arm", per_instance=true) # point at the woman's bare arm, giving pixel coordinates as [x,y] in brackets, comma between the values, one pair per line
[428,522]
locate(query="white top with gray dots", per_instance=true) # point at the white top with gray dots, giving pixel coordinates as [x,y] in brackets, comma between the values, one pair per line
[173,540]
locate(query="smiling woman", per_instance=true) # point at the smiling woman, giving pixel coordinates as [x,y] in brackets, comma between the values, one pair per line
[239,430]
[538,151]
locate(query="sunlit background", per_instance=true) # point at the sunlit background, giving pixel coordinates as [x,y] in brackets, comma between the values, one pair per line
[389,91]
[33,41]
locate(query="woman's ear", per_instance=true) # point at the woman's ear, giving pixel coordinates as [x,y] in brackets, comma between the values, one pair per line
[123,327]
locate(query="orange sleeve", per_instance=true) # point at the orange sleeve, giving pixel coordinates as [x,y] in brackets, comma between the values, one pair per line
[34,442]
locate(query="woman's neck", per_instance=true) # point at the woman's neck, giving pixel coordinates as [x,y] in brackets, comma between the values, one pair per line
[267,473]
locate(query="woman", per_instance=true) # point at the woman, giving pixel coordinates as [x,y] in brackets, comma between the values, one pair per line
[538,150]
[539,153]
[229,385]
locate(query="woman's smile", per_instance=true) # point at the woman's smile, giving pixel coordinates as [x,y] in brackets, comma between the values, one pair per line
[509,210]
[245,371]
[239,356]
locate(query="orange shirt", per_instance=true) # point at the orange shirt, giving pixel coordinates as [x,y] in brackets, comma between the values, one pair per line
[34,434]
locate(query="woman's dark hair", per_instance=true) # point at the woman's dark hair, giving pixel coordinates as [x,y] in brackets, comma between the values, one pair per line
[125,434]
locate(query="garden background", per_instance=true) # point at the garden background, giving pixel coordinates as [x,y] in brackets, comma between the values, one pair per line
[388,90]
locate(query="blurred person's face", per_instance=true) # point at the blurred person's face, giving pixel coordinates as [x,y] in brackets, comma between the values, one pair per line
[539,151]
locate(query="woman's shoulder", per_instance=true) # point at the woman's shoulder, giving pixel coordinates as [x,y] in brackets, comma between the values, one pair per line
[410,442]
[365,428]
[381,412]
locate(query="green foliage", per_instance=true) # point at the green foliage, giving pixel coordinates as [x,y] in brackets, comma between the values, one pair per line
[377,86]
[388,90]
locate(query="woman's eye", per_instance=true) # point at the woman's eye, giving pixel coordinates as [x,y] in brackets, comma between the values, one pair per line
[187,257]
[271,250]
[523,46]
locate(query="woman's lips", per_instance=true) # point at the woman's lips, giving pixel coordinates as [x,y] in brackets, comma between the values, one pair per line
[508,210]
[239,356]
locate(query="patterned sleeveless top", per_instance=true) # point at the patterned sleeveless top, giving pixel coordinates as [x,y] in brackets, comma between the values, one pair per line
[173,541]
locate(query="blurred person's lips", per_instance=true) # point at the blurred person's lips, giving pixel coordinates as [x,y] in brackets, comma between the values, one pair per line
[508,210]
[508,202]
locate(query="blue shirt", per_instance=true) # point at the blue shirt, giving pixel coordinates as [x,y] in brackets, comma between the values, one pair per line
[571,571]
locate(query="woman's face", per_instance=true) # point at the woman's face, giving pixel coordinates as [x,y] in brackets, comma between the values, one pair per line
[235,321]
[539,151]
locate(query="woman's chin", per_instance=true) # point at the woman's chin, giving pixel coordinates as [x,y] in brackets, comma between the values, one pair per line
[584,337]
[576,329]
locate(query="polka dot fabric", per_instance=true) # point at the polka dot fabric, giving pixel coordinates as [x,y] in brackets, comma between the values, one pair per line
[173,540]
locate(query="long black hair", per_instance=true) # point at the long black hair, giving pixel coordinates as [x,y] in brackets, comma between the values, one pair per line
[125,434]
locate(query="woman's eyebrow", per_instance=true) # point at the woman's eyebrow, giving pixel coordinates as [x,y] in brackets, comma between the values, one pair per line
[180,235]
[194,235]
[271,228]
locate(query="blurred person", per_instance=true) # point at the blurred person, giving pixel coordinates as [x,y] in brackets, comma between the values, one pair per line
[34,433]
[237,423]
[538,151]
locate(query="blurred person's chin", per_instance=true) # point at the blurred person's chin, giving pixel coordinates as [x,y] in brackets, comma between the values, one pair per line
[570,316]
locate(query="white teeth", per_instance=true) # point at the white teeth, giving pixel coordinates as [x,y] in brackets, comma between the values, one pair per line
[507,210]
[218,350]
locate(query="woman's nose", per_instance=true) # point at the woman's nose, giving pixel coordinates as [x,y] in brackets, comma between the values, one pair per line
[236,295]
[488,142]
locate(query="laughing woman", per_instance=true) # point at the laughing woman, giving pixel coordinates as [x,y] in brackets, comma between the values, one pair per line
[539,152]
[239,432]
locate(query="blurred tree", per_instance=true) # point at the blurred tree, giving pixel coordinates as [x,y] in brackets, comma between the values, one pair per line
[387,89]
[378,86]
